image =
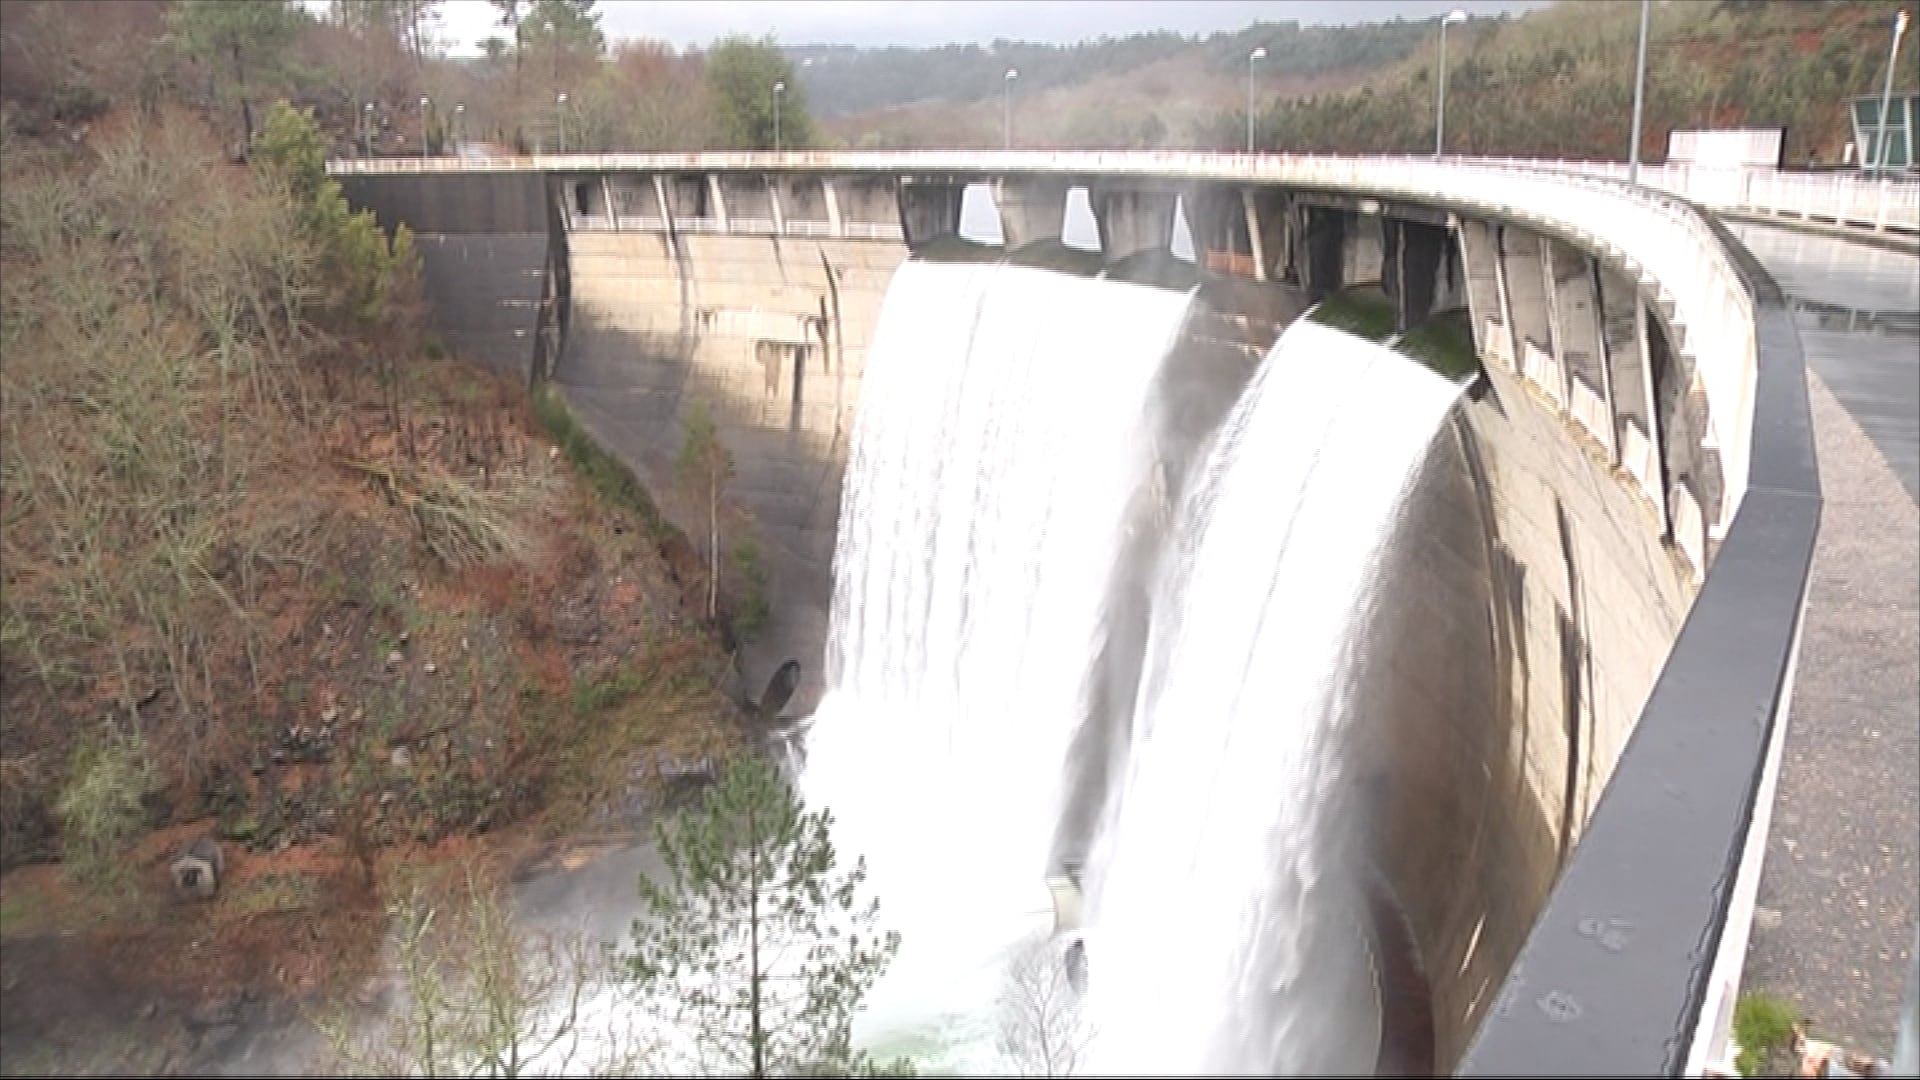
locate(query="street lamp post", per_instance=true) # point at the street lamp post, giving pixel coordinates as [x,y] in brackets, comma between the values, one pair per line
[1259,53]
[426,122]
[1006,113]
[1886,93]
[459,116]
[1440,100]
[560,115]
[1639,95]
[553,55]
[779,88]
[367,138]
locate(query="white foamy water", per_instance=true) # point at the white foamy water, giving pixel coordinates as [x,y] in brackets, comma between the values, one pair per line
[1000,437]
[1002,432]
[1227,930]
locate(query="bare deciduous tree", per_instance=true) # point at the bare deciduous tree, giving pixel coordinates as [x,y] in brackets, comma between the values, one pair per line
[704,467]
[1041,1028]
[475,996]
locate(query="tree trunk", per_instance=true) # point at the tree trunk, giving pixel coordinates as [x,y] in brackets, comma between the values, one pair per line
[757,1035]
[246,107]
[713,550]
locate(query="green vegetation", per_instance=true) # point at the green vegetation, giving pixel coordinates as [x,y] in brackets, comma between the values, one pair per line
[366,272]
[702,470]
[756,944]
[846,80]
[741,76]
[1554,82]
[232,36]
[274,893]
[100,811]
[1763,1026]
[608,475]
[753,612]
[1559,83]
[154,320]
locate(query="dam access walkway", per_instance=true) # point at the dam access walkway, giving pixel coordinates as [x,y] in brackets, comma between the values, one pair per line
[1834,922]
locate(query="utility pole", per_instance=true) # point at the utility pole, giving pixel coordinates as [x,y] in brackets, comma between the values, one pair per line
[779,88]
[1006,114]
[1440,102]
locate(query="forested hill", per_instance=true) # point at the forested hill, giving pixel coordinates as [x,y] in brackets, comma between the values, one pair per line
[1556,81]
[843,80]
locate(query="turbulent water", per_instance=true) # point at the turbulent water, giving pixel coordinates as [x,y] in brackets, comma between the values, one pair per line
[1002,433]
[998,444]
[1227,930]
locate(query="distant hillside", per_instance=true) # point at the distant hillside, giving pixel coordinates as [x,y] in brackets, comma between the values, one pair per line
[1557,81]
[843,80]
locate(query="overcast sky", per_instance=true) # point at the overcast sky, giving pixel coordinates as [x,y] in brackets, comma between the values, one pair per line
[941,22]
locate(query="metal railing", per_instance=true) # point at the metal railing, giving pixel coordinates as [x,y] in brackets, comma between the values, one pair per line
[737,226]
[1841,198]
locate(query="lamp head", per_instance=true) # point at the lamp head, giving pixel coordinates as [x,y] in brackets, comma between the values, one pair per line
[1012,73]
[1454,16]
[1259,53]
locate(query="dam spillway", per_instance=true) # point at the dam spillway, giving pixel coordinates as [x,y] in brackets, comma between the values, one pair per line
[999,444]
[1357,622]
[1231,864]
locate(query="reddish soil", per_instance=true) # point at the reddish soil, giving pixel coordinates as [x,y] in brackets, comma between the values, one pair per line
[551,671]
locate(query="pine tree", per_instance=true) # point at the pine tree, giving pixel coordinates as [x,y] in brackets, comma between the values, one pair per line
[755,943]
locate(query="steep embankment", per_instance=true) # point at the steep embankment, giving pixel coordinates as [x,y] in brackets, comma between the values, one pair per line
[274,569]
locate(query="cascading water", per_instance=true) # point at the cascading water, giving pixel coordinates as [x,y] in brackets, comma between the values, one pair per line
[998,443]
[1006,425]
[1227,928]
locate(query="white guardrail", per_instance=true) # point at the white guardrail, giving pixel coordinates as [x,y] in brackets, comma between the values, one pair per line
[1842,198]
[1664,241]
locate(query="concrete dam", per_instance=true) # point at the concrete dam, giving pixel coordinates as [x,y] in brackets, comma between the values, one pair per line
[1379,718]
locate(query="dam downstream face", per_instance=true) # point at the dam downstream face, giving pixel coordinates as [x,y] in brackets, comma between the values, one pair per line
[1003,435]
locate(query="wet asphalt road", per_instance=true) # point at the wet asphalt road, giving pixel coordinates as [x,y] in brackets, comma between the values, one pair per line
[1834,927]
[1858,310]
